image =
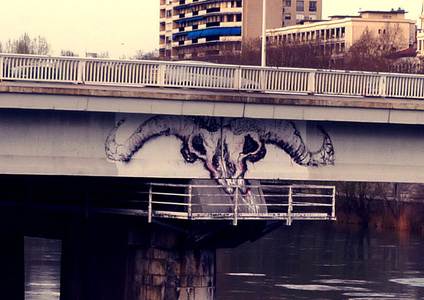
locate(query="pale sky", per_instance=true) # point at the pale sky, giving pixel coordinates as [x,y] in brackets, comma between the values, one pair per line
[122,27]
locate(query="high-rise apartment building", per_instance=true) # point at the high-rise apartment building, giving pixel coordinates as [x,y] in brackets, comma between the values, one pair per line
[296,11]
[195,28]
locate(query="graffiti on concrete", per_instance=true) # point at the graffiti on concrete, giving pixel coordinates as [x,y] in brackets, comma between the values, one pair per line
[224,147]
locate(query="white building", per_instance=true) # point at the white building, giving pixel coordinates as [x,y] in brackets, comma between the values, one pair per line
[340,32]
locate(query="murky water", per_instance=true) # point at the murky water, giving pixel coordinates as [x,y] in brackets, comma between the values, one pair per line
[42,269]
[318,261]
[307,261]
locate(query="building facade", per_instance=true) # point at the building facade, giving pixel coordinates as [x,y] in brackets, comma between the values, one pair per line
[339,33]
[196,28]
[296,11]
[420,34]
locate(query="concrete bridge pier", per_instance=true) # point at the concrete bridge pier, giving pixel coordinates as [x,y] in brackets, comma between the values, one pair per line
[165,274]
[112,259]
[164,267]
[11,255]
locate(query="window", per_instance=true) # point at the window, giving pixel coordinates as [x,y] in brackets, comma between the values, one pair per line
[287,3]
[238,18]
[312,6]
[213,9]
[212,38]
[300,5]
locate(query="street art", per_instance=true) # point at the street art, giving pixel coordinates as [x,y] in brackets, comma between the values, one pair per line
[224,147]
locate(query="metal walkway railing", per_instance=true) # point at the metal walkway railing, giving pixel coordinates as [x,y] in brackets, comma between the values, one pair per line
[262,202]
[137,73]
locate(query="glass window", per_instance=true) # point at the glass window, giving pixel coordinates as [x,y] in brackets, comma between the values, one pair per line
[287,3]
[312,6]
[300,5]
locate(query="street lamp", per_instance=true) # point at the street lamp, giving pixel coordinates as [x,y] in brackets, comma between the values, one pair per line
[263,52]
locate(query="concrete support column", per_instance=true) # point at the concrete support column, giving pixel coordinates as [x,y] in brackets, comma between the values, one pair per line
[178,274]
[11,255]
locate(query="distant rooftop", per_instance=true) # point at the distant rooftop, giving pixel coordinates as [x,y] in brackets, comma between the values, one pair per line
[398,11]
[311,21]
[343,16]
[392,11]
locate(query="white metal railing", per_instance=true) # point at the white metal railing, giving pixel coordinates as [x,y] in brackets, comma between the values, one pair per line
[211,202]
[140,73]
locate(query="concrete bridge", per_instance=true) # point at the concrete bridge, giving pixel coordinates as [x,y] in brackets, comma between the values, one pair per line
[132,138]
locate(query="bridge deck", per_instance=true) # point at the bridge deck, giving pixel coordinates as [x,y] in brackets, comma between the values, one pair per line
[188,101]
[140,73]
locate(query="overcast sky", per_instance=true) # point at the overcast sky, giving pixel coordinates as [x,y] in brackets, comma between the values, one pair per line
[121,27]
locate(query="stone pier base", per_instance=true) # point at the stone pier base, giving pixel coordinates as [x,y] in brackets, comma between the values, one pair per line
[175,274]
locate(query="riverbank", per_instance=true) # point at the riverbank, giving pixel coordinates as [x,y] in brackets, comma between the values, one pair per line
[382,214]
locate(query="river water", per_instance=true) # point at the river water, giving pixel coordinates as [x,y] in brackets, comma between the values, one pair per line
[42,269]
[305,261]
[323,261]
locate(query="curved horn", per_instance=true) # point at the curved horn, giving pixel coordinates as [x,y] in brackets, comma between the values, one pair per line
[151,128]
[285,135]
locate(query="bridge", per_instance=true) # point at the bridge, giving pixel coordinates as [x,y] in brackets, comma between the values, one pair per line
[153,147]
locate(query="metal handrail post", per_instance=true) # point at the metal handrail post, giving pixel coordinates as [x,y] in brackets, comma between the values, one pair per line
[235,220]
[190,212]
[311,82]
[382,85]
[1,67]
[290,207]
[161,74]
[333,212]
[263,80]
[237,78]
[149,213]
[81,71]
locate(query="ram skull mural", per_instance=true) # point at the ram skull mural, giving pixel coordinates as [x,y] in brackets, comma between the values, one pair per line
[224,149]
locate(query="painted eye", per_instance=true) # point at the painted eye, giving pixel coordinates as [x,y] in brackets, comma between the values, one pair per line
[250,145]
[197,143]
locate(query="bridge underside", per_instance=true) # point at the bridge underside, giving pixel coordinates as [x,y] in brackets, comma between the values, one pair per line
[107,253]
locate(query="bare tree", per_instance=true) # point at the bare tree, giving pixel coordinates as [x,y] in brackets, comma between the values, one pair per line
[27,45]
[141,55]
[306,55]
[360,197]
[299,55]
[372,52]
[104,54]
[68,53]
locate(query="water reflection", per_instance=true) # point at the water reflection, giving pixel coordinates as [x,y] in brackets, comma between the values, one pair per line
[323,261]
[42,269]
[306,261]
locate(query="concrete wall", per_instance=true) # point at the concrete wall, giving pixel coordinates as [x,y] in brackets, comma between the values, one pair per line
[73,143]
[252,17]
